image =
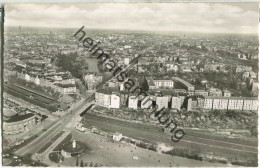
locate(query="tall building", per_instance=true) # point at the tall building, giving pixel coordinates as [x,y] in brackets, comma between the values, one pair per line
[114,101]
[132,102]
[176,102]
[200,102]
[189,106]
[220,103]
[107,99]
[208,102]
[102,99]
[235,103]
[250,104]
[162,102]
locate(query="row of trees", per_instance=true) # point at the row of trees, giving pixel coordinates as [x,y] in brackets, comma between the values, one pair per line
[69,63]
[82,164]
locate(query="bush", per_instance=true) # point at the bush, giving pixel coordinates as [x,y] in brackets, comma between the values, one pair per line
[142,145]
[152,148]
[250,163]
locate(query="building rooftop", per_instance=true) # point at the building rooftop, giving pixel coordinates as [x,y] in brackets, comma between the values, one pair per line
[19,117]
[200,91]
[117,134]
[108,90]
[233,98]
[161,78]
[150,81]
[9,112]
[187,84]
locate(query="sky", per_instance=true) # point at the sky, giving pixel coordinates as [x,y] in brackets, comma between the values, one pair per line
[176,17]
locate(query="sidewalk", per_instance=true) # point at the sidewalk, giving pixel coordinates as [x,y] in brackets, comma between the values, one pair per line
[36,130]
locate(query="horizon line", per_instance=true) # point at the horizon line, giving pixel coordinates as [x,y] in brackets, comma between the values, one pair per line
[154,31]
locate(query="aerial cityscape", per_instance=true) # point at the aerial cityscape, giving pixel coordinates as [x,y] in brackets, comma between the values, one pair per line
[87,92]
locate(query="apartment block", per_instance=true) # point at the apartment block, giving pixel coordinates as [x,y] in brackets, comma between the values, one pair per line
[235,103]
[162,102]
[220,103]
[250,104]
[114,101]
[176,102]
[208,102]
[132,102]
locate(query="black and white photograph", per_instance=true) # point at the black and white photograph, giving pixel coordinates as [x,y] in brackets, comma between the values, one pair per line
[129,84]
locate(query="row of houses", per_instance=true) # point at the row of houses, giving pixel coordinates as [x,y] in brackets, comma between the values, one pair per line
[159,83]
[64,86]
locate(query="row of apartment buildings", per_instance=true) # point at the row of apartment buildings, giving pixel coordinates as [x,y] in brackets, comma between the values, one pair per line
[112,99]
[223,103]
[157,83]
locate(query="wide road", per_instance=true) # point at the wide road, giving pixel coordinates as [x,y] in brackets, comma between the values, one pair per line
[40,141]
[192,141]
[57,126]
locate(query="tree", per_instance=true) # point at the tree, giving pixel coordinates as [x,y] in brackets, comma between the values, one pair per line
[77,162]
[86,164]
[91,164]
[81,163]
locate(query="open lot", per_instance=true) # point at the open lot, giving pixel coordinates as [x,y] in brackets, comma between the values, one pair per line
[201,142]
[104,151]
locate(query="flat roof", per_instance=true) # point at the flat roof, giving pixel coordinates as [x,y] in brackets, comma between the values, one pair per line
[232,98]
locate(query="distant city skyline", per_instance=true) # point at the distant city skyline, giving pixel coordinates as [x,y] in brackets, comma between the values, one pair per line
[176,17]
